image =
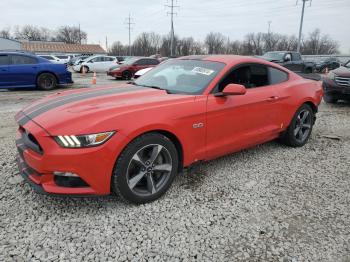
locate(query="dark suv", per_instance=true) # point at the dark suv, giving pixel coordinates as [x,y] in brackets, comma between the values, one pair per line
[131,66]
[336,84]
[325,64]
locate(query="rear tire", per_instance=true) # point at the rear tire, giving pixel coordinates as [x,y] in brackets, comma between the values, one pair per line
[145,169]
[46,81]
[330,99]
[300,128]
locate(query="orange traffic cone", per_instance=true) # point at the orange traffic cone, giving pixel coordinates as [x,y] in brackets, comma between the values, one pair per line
[94,79]
[83,70]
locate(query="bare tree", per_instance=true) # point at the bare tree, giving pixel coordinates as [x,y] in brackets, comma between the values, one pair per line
[32,33]
[118,49]
[70,35]
[5,33]
[317,44]
[147,44]
[215,43]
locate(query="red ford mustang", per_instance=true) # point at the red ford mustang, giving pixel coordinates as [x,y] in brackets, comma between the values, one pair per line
[133,139]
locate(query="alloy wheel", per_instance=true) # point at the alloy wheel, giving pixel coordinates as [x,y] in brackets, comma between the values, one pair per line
[303,126]
[149,170]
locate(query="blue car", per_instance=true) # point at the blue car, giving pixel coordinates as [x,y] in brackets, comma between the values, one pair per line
[21,70]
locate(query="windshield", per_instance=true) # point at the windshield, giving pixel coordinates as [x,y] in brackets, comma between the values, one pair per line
[347,64]
[274,55]
[130,61]
[181,76]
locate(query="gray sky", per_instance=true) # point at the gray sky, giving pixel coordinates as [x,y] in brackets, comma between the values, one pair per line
[101,18]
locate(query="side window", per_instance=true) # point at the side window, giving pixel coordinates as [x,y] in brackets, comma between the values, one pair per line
[97,59]
[47,57]
[277,76]
[4,60]
[22,60]
[250,76]
[296,56]
[109,59]
[142,62]
[153,62]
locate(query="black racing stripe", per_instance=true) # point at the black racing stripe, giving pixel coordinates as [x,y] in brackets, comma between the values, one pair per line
[22,121]
[56,104]
[60,98]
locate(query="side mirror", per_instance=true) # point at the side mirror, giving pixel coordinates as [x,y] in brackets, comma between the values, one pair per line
[232,90]
[287,59]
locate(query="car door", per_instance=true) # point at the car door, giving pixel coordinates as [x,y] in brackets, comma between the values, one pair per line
[297,63]
[108,62]
[23,70]
[236,122]
[95,64]
[4,70]
[141,64]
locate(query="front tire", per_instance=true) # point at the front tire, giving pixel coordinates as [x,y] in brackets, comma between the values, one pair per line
[127,75]
[46,81]
[145,169]
[300,128]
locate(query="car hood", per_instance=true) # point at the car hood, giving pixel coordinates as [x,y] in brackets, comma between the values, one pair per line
[342,71]
[90,110]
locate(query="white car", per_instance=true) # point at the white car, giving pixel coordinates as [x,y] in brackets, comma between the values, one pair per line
[64,58]
[142,72]
[98,64]
[53,59]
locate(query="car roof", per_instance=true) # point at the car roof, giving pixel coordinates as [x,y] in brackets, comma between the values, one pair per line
[232,60]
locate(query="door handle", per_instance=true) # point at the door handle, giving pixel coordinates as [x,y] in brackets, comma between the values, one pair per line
[272,98]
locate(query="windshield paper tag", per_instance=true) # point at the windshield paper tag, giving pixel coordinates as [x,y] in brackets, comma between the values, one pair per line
[203,71]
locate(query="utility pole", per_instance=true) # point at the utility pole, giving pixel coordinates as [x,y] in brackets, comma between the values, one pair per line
[269,27]
[301,23]
[106,44]
[269,35]
[79,34]
[129,22]
[172,33]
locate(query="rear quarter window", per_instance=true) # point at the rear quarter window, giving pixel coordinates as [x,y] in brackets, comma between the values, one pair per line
[22,60]
[277,76]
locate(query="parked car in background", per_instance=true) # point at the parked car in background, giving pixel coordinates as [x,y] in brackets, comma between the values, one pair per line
[336,84]
[290,60]
[131,66]
[64,58]
[77,59]
[142,72]
[97,63]
[52,58]
[325,64]
[134,139]
[26,70]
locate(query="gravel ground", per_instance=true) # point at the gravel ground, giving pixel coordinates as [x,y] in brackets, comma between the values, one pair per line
[269,203]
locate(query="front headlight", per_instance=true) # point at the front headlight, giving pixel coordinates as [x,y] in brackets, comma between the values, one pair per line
[83,140]
[331,75]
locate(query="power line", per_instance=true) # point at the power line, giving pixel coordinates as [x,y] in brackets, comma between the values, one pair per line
[301,23]
[129,22]
[172,33]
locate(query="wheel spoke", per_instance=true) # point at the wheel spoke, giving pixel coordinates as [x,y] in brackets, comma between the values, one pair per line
[306,126]
[296,130]
[305,115]
[163,167]
[133,181]
[301,134]
[155,153]
[150,184]
[138,159]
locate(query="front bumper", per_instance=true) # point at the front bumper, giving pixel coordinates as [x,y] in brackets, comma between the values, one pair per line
[332,88]
[115,73]
[38,161]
